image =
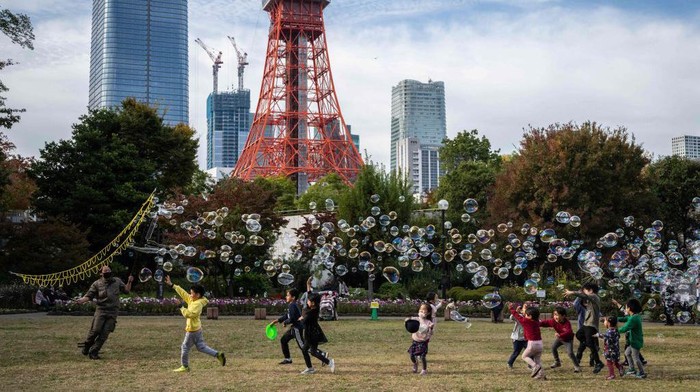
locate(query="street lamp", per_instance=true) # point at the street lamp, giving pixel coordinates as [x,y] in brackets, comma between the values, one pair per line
[442,206]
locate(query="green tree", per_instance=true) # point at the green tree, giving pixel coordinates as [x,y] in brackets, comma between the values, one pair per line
[391,188]
[587,170]
[282,188]
[675,181]
[471,167]
[330,186]
[18,28]
[115,159]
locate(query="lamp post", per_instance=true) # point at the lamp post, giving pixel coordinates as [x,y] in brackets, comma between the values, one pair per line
[445,281]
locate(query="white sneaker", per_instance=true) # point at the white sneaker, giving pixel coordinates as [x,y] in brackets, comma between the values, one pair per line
[331,365]
[308,371]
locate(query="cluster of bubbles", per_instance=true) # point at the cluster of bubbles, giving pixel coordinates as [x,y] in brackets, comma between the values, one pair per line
[207,226]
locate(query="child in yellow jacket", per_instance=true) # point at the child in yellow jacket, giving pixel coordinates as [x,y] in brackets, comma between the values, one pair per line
[195,301]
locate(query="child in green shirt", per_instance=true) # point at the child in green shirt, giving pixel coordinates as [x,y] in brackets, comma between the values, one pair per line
[633,324]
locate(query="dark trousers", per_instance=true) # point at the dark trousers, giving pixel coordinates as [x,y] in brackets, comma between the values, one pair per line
[291,334]
[590,342]
[518,346]
[312,348]
[102,325]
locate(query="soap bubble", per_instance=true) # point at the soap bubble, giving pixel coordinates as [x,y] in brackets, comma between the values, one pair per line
[158,275]
[683,317]
[455,316]
[530,287]
[402,199]
[253,225]
[374,198]
[285,279]
[563,217]
[548,235]
[145,275]
[167,266]
[575,221]
[536,277]
[503,273]
[391,274]
[651,303]
[491,300]
[443,204]
[341,269]
[330,205]
[471,206]
[194,274]
[417,265]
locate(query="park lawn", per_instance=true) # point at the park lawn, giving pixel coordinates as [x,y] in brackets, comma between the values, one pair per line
[39,353]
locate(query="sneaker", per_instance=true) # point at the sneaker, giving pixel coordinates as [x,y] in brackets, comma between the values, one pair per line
[610,377]
[621,370]
[591,363]
[630,372]
[598,367]
[86,348]
[94,355]
[641,375]
[555,365]
[425,372]
[536,370]
[182,369]
[221,357]
[510,366]
[577,369]
[285,361]
[331,365]
[308,371]
[644,362]
[415,368]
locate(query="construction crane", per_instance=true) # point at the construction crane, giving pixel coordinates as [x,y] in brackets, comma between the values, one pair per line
[216,58]
[242,62]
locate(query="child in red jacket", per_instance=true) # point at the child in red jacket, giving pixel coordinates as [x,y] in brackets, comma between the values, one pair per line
[564,337]
[531,327]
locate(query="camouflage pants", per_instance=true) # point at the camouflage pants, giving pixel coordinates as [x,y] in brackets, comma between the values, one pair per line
[102,325]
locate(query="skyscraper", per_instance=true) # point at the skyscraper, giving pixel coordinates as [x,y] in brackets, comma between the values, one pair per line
[139,49]
[418,127]
[228,124]
[686,146]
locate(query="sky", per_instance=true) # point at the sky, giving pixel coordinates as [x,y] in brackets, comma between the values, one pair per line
[506,64]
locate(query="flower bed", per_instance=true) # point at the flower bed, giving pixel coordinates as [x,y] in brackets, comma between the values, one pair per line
[246,307]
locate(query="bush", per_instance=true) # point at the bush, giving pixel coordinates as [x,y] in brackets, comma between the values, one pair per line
[462,294]
[419,288]
[391,291]
[17,296]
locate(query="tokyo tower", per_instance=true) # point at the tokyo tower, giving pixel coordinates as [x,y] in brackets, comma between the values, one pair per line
[298,130]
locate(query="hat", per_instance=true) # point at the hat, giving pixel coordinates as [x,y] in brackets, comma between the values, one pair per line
[412,326]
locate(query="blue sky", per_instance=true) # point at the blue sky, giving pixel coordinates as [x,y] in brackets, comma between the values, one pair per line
[505,64]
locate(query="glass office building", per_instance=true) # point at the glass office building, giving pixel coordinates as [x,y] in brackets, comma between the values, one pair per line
[418,127]
[686,146]
[228,125]
[139,49]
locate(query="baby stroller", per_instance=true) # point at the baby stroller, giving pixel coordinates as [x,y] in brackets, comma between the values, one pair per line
[327,309]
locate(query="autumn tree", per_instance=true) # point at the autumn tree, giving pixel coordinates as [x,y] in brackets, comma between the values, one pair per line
[586,170]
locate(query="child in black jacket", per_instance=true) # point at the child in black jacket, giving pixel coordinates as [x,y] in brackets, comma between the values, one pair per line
[313,335]
[295,331]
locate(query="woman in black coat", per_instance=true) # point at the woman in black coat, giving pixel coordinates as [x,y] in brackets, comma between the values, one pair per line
[313,335]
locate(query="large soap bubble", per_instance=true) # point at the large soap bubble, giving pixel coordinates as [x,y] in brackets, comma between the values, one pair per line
[491,300]
[145,275]
[471,206]
[194,274]
[167,266]
[158,275]
[455,316]
[285,279]
[530,287]
[391,274]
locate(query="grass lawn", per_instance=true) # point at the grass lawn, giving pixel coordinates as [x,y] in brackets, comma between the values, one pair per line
[40,353]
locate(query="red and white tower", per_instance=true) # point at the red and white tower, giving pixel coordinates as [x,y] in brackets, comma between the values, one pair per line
[298,130]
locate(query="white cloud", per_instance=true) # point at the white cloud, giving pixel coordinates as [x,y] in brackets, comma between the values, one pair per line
[538,64]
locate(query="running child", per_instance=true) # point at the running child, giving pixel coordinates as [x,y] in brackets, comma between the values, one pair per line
[195,301]
[435,304]
[419,347]
[313,335]
[633,324]
[591,320]
[611,350]
[518,337]
[290,318]
[531,327]
[564,337]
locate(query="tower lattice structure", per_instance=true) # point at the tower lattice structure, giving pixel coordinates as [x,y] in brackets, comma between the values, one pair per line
[298,130]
